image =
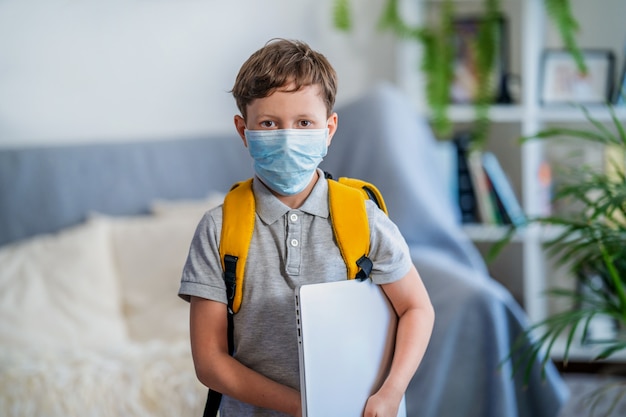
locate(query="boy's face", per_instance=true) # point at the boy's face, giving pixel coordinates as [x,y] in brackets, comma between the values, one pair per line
[302,109]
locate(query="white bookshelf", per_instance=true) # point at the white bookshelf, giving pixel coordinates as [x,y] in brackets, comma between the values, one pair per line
[528,34]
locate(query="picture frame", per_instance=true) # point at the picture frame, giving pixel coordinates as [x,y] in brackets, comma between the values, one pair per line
[464,88]
[562,82]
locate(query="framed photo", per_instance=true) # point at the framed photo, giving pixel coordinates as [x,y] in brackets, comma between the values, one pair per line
[563,83]
[464,89]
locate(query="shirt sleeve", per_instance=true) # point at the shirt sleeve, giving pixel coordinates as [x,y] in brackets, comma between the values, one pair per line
[202,273]
[389,251]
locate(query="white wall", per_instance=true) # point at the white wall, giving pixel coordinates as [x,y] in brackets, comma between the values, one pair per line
[107,70]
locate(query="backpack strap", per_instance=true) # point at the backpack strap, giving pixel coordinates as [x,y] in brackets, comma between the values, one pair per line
[350,224]
[237,228]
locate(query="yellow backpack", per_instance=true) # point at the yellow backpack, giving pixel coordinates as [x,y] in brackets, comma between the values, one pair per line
[346,198]
[347,213]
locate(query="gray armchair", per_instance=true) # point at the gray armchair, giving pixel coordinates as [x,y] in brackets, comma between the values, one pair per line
[382,140]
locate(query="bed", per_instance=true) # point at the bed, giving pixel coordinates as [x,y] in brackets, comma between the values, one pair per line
[93,238]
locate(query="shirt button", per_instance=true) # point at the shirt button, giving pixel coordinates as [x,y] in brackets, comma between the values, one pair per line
[293,217]
[294,242]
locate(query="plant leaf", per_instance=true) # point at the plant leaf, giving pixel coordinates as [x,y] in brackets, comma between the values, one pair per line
[608,352]
[559,11]
[342,18]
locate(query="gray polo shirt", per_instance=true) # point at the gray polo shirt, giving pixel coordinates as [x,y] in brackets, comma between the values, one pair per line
[289,247]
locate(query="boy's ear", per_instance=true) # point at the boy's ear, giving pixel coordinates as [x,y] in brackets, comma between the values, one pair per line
[331,124]
[240,125]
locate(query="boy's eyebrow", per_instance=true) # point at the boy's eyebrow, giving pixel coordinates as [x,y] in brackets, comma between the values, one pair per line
[272,116]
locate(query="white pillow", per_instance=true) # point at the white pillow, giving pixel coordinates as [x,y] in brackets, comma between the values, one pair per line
[187,208]
[150,253]
[60,290]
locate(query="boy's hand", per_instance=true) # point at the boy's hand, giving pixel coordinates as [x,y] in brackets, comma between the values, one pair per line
[382,404]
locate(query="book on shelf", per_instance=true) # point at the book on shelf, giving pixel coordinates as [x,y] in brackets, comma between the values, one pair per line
[465,189]
[544,180]
[504,192]
[502,216]
[487,208]
[484,192]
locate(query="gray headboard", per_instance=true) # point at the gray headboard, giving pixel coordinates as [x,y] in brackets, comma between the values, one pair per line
[45,189]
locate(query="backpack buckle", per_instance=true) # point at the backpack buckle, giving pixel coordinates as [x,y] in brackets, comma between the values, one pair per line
[230,269]
[366,266]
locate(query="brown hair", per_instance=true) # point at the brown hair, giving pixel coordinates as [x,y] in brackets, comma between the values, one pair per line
[279,63]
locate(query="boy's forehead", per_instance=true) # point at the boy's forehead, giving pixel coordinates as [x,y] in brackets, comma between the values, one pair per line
[308,99]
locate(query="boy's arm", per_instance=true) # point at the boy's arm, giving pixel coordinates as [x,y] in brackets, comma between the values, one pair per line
[416,318]
[218,370]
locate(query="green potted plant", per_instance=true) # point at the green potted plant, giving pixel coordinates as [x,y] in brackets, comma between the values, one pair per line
[438,57]
[590,241]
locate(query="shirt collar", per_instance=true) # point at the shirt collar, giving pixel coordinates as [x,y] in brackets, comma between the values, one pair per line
[270,208]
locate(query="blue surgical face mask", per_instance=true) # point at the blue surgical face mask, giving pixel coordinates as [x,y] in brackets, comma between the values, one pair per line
[286,159]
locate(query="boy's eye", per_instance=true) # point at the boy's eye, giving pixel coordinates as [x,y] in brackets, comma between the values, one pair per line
[305,123]
[267,123]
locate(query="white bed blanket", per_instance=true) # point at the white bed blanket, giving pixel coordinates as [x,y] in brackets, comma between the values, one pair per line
[137,380]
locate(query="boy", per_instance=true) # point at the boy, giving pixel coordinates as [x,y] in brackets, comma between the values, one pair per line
[285,92]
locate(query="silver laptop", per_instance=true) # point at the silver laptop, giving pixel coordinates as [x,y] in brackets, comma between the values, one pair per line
[346,335]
